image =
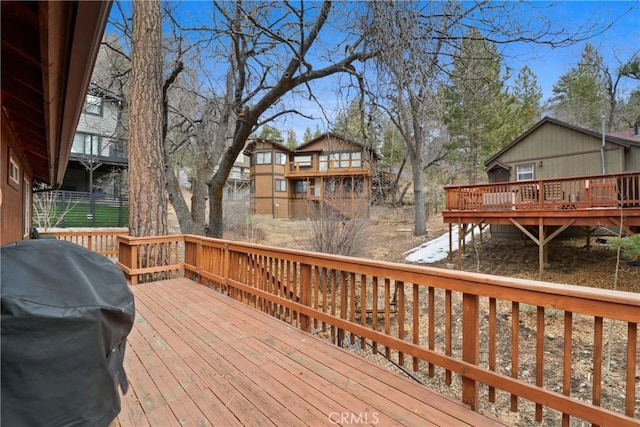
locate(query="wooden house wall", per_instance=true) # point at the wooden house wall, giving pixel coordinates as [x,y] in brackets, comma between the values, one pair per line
[12,194]
[332,145]
[557,151]
[266,200]
[632,159]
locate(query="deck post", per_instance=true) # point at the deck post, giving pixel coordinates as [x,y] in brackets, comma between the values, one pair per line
[470,346]
[541,245]
[226,268]
[450,243]
[305,295]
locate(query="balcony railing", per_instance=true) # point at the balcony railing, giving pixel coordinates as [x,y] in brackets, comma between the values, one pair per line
[113,150]
[587,192]
[438,323]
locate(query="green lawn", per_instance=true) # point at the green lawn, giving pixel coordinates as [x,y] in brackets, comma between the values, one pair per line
[78,216]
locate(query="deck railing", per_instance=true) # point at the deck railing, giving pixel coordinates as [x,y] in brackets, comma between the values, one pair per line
[101,241]
[586,192]
[462,327]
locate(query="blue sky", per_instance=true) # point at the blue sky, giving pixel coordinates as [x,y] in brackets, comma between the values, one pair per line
[621,41]
[616,44]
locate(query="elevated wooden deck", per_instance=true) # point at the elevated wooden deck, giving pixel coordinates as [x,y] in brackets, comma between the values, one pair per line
[600,200]
[534,206]
[197,357]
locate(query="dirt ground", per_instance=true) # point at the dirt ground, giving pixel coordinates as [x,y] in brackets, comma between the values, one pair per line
[391,231]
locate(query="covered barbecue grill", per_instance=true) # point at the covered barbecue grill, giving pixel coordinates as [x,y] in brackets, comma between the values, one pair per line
[66,313]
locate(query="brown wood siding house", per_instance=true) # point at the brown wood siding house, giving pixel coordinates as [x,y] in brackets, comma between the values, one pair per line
[48,52]
[555,149]
[329,175]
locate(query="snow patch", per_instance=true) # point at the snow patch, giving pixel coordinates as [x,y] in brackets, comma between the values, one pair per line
[436,249]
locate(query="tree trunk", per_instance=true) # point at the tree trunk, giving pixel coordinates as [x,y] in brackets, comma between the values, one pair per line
[179,204]
[147,188]
[420,217]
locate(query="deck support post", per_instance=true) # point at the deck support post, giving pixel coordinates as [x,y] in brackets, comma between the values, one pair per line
[450,243]
[459,257]
[541,246]
[587,232]
[470,346]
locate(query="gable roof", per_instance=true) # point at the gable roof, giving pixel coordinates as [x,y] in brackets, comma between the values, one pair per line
[336,136]
[251,144]
[625,142]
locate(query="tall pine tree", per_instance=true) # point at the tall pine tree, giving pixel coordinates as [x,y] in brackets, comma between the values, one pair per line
[477,105]
[579,95]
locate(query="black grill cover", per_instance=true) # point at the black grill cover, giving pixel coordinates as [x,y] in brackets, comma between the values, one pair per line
[66,313]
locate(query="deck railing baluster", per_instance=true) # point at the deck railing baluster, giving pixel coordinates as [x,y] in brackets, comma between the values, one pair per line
[566,362]
[630,389]
[515,352]
[539,356]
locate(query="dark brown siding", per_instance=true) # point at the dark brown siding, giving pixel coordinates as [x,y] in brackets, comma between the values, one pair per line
[11,199]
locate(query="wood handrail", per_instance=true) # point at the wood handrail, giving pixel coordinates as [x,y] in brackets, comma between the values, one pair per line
[584,192]
[337,294]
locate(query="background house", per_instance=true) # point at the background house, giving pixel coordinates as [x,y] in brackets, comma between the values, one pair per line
[94,189]
[237,186]
[329,175]
[98,158]
[554,149]
[48,52]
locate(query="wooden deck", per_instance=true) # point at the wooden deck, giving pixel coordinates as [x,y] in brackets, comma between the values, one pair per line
[197,357]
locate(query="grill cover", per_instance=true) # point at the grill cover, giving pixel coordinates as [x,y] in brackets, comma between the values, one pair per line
[66,313]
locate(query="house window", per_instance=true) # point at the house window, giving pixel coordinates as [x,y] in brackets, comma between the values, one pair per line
[356,161]
[263,158]
[93,105]
[281,185]
[346,160]
[303,161]
[86,144]
[300,187]
[323,163]
[524,172]
[281,159]
[14,171]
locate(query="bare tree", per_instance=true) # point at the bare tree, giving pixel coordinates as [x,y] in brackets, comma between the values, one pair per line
[274,50]
[147,189]
[417,43]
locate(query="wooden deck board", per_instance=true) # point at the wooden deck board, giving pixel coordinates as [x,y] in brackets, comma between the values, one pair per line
[196,357]
[351,367]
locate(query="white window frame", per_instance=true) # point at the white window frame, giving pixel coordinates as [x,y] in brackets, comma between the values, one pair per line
[525,172]
[86,144]
[93,105]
